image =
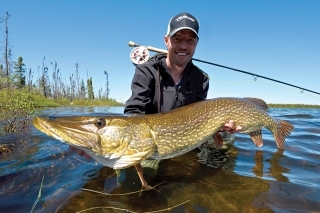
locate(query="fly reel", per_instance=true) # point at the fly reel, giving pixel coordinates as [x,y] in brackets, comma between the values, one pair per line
[139,55]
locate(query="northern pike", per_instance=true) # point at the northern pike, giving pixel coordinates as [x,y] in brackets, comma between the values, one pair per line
[120,141]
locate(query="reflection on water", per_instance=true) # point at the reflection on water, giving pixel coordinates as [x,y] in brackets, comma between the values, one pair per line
[254,180]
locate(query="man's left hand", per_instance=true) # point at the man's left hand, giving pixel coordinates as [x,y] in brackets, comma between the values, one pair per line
[230,128]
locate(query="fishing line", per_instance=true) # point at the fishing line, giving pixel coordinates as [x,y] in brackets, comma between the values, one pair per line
[140,54]
[301,91]
[255,75]
[265,82]
[230,83]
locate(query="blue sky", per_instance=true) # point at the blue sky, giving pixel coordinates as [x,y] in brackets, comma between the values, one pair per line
[278,39]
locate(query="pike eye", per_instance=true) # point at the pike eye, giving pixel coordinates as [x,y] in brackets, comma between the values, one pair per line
[100,123]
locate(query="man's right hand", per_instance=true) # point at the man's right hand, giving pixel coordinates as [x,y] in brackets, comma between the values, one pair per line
[80,152]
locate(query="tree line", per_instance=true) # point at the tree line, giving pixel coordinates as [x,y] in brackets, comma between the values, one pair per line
[19,89]
[49,83]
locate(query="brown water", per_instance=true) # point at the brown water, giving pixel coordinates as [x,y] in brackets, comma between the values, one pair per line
[43,175]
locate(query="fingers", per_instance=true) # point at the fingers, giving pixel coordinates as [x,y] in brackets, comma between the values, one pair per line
[238,128]
[230,124]
[230,127]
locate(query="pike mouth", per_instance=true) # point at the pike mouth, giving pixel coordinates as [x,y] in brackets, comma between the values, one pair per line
[42,124]
[69,132]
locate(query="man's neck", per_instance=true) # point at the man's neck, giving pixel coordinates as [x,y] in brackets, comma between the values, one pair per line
[175,71]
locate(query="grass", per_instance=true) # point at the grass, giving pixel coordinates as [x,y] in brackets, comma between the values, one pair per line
[41,101]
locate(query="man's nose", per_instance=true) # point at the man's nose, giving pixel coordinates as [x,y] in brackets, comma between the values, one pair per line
[183,43]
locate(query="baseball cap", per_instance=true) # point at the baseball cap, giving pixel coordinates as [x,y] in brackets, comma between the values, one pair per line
[183,21]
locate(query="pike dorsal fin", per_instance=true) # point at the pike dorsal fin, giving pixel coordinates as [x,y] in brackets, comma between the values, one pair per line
[257,138]
[259,102]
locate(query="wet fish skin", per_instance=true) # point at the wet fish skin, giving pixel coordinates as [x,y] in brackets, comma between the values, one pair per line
[119,141]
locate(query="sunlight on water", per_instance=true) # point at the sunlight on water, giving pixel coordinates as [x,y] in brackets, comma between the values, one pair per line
[255,179]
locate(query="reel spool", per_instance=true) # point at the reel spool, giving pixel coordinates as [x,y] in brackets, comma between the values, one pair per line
[139,55]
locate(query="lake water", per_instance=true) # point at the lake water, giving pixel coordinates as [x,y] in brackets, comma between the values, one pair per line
[44,175]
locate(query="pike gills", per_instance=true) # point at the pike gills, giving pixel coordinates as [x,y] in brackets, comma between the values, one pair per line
[120,141]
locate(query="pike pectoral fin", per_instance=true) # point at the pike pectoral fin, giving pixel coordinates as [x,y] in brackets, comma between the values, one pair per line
[141,176]
[218,140]
[257,138]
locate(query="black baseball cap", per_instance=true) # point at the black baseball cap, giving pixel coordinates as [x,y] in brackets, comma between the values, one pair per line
[183,21]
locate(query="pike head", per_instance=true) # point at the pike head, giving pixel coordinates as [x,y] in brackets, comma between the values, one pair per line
[114,141]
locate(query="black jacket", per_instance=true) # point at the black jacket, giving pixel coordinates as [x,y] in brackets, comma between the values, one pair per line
[153,88]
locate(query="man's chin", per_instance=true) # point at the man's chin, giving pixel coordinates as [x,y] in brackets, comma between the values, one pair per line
[182,61]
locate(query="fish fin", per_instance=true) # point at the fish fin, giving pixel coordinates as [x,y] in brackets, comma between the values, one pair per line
[141,176]
[256,136]
[284,130]
[218,140]
[259,102]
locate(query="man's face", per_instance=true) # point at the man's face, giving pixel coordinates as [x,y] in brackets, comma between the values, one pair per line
[181,47]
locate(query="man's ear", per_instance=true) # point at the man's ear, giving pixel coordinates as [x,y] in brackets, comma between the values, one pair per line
[166,40]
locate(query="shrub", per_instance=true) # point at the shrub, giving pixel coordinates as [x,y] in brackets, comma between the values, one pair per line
[16,110]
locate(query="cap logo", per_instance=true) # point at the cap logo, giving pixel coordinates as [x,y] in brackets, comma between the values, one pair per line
[183,21]
[185,16]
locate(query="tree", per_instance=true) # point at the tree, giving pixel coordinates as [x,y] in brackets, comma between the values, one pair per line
[29,80]
[77,82]
[55,80]
[107,85]
[72,87]
[20,73]
[90,89]
[7,54]
[1,70]
[82,90]
[44,83]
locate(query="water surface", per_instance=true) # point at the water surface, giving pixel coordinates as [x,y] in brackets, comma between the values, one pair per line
[43,174]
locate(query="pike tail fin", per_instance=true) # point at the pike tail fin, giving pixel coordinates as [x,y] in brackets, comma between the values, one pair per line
[284,129]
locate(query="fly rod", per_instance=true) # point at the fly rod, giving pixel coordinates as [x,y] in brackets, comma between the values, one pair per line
[140,54]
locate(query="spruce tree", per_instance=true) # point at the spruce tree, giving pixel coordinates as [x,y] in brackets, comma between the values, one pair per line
[20,73]
[90,89]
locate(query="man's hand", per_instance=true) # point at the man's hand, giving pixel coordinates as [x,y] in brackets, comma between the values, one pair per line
[230,128]
[80,152]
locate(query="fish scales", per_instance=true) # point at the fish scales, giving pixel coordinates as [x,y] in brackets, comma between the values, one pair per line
[204,119]
[122,141]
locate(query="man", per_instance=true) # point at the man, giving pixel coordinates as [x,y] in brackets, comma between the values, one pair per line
[169,81]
